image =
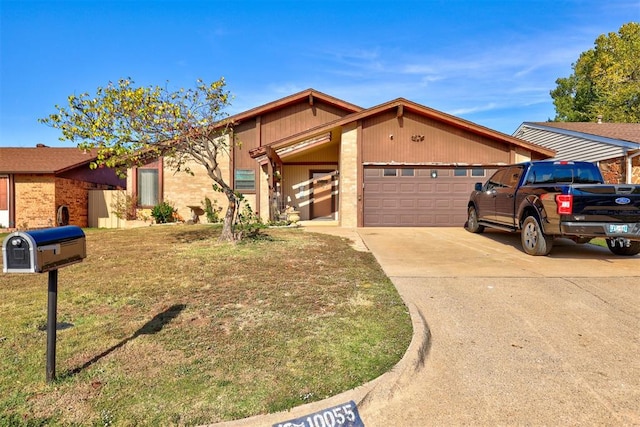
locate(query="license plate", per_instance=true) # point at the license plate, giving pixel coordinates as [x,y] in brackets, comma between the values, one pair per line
[618,228]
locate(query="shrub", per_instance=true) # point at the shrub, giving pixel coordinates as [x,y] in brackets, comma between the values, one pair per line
[163,213]
[212,211]
[248,223]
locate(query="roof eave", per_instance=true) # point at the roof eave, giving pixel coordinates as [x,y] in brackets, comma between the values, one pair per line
[296,97]
[426,111]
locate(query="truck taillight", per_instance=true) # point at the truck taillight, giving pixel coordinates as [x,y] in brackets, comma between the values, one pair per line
[565,204]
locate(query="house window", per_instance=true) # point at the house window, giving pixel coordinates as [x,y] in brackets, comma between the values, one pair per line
[390,172]
[245,179]
[148,187]
[477,172]
[406,172]
[459,172]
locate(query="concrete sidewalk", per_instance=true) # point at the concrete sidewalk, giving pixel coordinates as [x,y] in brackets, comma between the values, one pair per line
[500,337]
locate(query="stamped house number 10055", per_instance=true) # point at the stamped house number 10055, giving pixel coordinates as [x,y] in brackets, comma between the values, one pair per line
[345,415]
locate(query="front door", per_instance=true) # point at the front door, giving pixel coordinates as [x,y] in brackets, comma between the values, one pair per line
[4,201]
[322,205]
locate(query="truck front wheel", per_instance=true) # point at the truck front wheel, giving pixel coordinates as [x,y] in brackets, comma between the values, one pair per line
[534,241]
[620,247]
[472,221]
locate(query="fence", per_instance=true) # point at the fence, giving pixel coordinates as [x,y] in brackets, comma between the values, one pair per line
[102,208]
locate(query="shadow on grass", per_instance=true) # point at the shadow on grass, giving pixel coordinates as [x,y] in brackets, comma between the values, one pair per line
[153,326]
[212,232]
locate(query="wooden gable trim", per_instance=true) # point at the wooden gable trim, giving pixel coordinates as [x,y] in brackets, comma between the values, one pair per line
[311,95]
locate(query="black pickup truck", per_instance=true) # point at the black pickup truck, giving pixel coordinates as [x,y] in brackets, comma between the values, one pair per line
[547,199]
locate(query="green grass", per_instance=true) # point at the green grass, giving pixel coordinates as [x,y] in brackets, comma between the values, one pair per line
[171,327]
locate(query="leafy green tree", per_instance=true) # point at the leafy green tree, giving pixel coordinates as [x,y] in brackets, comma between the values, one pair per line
[130,125]
[605,81]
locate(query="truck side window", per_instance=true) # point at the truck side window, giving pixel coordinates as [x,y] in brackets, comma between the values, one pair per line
[512,176]
[496,180]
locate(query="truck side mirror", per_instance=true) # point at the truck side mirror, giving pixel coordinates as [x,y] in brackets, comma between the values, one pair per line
[478,186]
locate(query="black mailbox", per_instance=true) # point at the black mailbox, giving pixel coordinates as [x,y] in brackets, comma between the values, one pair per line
[38,251]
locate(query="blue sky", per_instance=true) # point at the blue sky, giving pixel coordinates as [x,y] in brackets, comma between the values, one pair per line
[489,61]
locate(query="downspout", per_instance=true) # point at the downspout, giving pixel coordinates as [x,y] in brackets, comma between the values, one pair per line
[630,166]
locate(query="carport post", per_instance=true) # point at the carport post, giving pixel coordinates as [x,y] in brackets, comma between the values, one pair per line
[52,320]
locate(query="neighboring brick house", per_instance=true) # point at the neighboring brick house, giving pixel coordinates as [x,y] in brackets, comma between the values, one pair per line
[395,164]
[45,186]
[615,147]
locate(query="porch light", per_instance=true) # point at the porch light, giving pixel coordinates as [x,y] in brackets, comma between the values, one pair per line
[434,173]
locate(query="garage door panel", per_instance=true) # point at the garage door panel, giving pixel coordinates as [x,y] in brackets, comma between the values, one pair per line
[458,204]
[408,203]
[443,204]
[425,203]
[425,187]
[372,204]
[444,187]
[408,188]
[373,187]
[419,200]
[390,188]
[461,188]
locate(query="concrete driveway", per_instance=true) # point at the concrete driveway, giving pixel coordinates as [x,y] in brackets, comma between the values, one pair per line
[514,339]
[500,337]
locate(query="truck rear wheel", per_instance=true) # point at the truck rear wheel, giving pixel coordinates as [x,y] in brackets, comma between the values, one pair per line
[472,221]
[617,247]
[534,241]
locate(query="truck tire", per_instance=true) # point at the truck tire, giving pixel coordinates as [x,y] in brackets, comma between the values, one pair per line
[472,221]
[616,248]
[534,241]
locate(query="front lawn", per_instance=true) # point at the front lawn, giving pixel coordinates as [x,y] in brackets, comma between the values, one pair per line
[165,326]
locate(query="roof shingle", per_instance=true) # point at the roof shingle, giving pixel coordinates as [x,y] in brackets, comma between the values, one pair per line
[622,131]
[42,159]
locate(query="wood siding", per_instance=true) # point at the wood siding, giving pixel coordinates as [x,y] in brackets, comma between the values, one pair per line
[297,118]
[416,139]
[276,125]
[245,138]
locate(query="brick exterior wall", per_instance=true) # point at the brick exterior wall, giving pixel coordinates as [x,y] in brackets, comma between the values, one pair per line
[35,198]
[38,197]
[75,195]
[613,171]
[183,190]
[349,168]
[635,171]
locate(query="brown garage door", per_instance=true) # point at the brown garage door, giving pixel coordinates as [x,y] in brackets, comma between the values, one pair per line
[404,197]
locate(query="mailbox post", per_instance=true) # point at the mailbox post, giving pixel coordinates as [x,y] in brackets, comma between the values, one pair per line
[40,251]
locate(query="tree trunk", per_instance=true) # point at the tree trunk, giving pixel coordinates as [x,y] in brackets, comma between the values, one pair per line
[228,234]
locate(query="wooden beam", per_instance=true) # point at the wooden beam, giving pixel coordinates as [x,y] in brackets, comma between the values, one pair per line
[400,111]
[272,155]
[311,99]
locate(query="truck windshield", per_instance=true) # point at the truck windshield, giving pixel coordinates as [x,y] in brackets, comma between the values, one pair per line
[546,173]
